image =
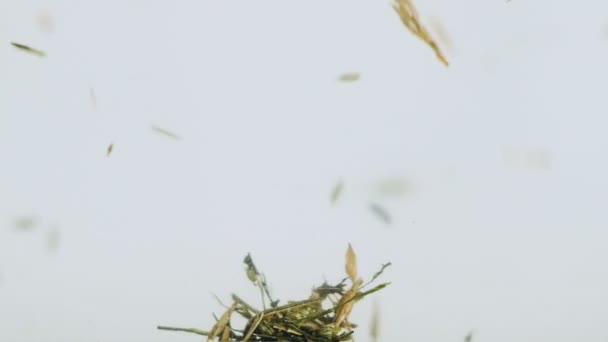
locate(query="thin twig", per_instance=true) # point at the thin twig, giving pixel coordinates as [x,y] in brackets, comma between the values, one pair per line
[188,330]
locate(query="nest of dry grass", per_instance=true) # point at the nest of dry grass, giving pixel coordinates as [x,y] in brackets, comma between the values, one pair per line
[322,317]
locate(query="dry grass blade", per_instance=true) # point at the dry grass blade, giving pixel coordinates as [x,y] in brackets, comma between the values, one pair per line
[165,132]
[409,16]
[222,323]
[256,322]
[188,330]
[377,274]
[345,305]
[351,263]
[29,49]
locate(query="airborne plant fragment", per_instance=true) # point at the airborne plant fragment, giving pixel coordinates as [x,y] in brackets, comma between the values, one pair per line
[303,320]
[349,77]
[409,17]
[380,212]
[110,148]
[29,49]
[336,192]
[165,132]
[374,330]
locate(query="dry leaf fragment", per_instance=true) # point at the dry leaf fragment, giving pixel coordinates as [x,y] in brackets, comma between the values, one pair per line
[29,49]
[351,263]
[409,17]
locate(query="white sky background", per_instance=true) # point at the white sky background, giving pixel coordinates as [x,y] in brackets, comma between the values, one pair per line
[501,231]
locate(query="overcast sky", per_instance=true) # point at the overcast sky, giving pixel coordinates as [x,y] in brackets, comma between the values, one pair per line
[496,165]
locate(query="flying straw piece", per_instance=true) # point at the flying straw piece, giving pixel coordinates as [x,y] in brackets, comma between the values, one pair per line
[409,17]
[110,148]
[29,49]
[351,263]
[380,212]
[336,192]
[165,132]
[374,330]
[349,77]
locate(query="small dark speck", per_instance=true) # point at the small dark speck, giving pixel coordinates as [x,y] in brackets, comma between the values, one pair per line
[380,212]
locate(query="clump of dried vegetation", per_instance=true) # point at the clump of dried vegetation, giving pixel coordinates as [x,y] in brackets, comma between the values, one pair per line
[322,317]
[409,17]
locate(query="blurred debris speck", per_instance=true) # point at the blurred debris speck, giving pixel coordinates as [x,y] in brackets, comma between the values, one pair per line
[110,148]
[380,213]
[25,223]
[409,17]
[336,192]
[165,132]
[469,337]
[349,77]
[29,49]
[374,330]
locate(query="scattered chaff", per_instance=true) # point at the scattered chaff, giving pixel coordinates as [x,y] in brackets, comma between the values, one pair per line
[381,213]
[349,77]
[469,337]
[302,321]
[165,132]
[409,17]
[110,148]
[336,192]
[29,49]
